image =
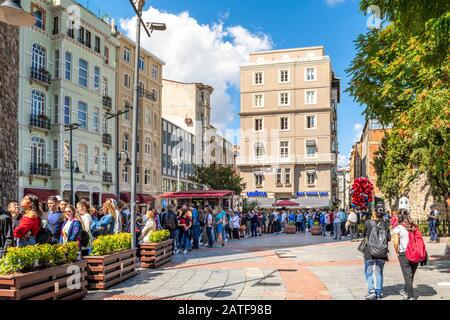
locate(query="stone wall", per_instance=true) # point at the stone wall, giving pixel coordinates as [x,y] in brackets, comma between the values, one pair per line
[9,79]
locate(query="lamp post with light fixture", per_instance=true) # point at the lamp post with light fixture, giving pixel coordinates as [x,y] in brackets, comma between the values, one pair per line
[138,6]
[11,12]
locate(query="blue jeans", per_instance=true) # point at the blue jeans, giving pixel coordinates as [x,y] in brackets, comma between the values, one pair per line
[433,230]
[253,229]
[370,267]
[26,242]
[196,236]
[176,239]
[184,239]
[324,229]
[337,230]
[210,232]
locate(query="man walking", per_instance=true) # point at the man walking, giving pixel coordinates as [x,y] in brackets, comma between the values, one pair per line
[352,224]
[337,225]
[433,224]
[195,227]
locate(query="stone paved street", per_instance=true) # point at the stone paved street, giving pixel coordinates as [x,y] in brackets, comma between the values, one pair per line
[278,267]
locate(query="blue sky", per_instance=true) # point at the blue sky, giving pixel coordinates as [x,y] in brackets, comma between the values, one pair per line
[286,23]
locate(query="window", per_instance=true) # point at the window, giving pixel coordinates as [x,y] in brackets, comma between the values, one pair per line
[96,120]
[126,55]
[311,148]
[56,109]
[83,157]
[310,74]
[83,73]
[147,146]
[70,29]
[125,175]
[311,178]
[105,86]
[67,104]
[284,99]
[82,115]
[311,122]
[55,154]
[278,176]
[96,159]
[106,55]
[259,100]
[259,149]
[97,44]
[141,64]
[259,179]
[138,175]
[287,176]
[284,149]
[39,14]
[148,117]
[154,72]
[147,176]
[105,161]
[66,154]
[81,35]
[37,150]
[126,115]
[56,64]
[55,25]
[97,78]
[258,78]
[155,94]
[284,76]
[311,97]
[68,66]
[38,57]
[88,39]
[126,80]
[37,103]
[284,123]
[258,124]
[137,143]
[125,142]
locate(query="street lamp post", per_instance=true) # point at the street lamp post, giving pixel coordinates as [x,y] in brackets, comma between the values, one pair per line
[11,12]
[70,128]
[138,6]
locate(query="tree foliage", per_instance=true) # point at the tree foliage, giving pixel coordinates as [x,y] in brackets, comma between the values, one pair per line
[401,74]
[218,177]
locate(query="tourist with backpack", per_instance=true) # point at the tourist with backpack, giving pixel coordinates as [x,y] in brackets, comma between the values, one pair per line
[411,250]
[169,222]
[195,227]
[377,237]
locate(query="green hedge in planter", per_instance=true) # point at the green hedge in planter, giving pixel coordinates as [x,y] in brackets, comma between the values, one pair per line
[37,257]
[159,236]
[104,245]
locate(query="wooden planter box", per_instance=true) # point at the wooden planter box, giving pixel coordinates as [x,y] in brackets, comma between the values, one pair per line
[316,231]
[154,255]
[290,229]
[47,284]
[106,271]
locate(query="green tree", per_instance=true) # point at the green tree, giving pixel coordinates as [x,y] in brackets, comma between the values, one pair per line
[218,177]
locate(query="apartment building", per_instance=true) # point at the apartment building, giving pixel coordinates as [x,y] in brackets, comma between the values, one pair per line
[288,126]
[343,192]
[67,75]
[148,176]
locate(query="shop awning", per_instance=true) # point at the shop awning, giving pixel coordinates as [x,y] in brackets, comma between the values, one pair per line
[286,203]
[197,194]
[108,196]
[42,194]
[313,203]
[125,196]
[145,198]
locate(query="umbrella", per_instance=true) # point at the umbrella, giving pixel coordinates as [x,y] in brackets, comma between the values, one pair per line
[286,203]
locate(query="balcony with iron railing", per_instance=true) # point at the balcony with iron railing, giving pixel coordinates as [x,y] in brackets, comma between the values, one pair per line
[107,102]
[290,159]
[40,169]
[107,139]
[41,76]
[107,177]
[40,121]
[146,94]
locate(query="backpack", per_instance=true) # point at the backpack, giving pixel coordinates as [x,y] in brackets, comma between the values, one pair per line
[170,221]
[377,243]
[416,250]
[201,217]
[84,238]
[44,236]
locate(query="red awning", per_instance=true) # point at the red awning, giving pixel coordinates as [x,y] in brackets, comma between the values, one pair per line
[145,198]
[42,194]
[286,203]
[197,194]
[108,196]
[125,197]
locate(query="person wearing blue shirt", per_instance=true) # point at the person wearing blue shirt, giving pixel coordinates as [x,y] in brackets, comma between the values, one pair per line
[54,219]
[292,217]
[323,223]
[106,224]
[195,227]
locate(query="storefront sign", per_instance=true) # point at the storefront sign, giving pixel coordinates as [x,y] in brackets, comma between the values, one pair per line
[312,194]
[257,194]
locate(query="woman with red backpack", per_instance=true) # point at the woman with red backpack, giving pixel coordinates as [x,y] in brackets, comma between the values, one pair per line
[411,251]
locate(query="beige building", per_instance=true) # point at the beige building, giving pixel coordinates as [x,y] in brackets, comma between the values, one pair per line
[149,131]
[288,126]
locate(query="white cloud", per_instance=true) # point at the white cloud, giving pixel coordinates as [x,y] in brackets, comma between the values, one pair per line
[343,161]
[333,3]
[357,129]
[207,53]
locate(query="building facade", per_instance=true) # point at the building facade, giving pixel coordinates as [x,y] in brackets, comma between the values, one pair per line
[67,75]
[178,155]
[148,177]
[9,129]
[288,126]
[343,191]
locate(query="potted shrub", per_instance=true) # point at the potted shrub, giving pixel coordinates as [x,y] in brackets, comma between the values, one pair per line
[291,228]
[111,261]
[158,252]
[316,230]
[43,272]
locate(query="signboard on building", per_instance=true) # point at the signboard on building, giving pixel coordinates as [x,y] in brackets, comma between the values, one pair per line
[257,194]
[313,194]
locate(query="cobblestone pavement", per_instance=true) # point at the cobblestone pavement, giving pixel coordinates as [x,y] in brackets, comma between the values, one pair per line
[278,267]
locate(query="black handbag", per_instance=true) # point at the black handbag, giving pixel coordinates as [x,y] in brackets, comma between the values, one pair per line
[362,245]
